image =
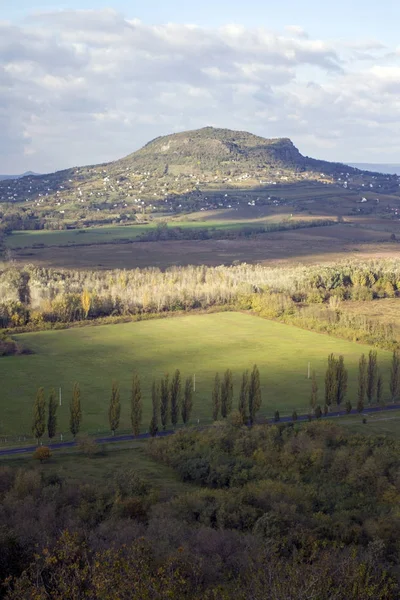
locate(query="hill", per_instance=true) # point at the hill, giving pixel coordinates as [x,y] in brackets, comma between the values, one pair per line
[179,172]
[3,177]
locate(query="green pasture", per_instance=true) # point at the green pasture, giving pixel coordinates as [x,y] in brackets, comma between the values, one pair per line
[385,422]
[109,234]
[198,345]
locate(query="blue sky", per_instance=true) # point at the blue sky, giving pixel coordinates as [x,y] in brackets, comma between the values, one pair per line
[80,87]
[342,18]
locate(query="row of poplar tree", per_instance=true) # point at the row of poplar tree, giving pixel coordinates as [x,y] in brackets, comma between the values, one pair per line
[370,382]
[171,401]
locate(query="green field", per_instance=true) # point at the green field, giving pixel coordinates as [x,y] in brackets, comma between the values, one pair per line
[201,345]
[112,233]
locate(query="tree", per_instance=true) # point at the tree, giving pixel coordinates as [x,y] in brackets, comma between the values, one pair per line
[348,407]
[341,381]
[75,410]
[42,453]
[175,396]
[244,396]
[153,427]
[187,404]
[254,394]
[39,415]
[164,400]
[314,391]
[114,410]
[52,416]
[226,394]
[362,383]
[86,300]
[379,389]
[155,402]
[136,404]
[372,375]
[331,381]
[318,412]
[216,397]
[395,376]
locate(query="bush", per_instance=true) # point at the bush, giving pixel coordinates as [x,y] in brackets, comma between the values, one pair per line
[277,416]
[87,445]
[42,453]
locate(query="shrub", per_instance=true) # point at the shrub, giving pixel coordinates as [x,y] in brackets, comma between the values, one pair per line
[87,445]
[42,453]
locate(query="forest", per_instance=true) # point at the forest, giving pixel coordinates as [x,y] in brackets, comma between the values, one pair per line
[268,512]
[312,297]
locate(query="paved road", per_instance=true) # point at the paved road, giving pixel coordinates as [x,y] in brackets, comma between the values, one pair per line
[142,436]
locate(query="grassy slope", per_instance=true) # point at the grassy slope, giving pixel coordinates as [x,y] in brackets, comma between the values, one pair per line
[194,344]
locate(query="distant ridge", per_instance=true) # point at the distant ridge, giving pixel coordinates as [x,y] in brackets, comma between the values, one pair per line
[391,168]
[31,173]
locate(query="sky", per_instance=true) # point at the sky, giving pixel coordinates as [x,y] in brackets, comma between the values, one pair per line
[88,82]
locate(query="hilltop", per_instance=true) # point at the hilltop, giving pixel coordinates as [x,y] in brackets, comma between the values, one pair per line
[178,172]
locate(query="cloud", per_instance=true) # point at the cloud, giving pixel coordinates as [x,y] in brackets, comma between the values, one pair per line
[88,86]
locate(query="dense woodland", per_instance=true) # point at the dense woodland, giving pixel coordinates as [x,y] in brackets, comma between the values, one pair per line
[310,297]
[270,512]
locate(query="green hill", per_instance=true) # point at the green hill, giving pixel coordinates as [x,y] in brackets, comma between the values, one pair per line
[187,170]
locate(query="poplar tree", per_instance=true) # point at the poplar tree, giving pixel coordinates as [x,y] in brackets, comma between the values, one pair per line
[136,404]
[114,411]
[244,396]
[216,397]
[314,392]
[395,376]
[39,415]
[187,404]
[254,394]
[341,381]
[362,383]
[372,375]
[52,416]
[331,381]
[175,395]
[379,388]
[226,394]
[155,402]
[75,410]
[164,401]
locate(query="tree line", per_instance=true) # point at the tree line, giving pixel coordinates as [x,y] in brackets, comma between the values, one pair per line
[172,399]
[370,383]
[38,297]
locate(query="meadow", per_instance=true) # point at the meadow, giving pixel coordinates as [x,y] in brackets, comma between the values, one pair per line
[198,345]
[120,233]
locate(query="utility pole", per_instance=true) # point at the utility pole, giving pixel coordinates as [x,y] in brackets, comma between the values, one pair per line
[59,394]
[194,382]
[308,372]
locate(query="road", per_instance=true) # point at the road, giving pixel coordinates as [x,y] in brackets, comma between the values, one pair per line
[127,438]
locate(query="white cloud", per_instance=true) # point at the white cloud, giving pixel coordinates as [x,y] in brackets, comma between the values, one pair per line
[89,86]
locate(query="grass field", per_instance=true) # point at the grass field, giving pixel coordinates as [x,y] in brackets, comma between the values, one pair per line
[382,423]
[103,467]
[117,233]
[201,344]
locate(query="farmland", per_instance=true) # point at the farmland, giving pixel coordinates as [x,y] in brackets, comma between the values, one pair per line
[200,345]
